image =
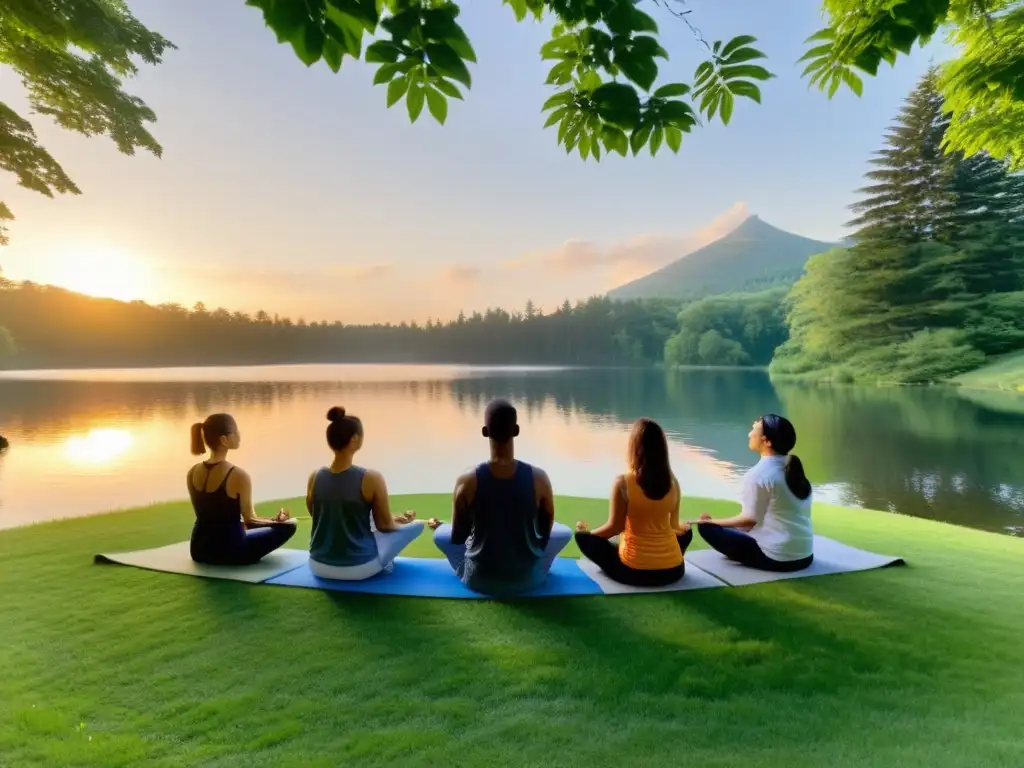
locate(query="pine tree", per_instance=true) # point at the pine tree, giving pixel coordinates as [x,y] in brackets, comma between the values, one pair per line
[935,282]
[912,174]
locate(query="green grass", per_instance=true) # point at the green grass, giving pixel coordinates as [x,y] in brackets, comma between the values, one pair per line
[1007,373]
[115,666]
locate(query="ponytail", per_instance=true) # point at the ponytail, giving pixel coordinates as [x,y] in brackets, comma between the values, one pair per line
[796,480]
[207,434]
[197,444]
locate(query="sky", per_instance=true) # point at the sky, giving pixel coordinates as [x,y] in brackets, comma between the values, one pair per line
[296,191]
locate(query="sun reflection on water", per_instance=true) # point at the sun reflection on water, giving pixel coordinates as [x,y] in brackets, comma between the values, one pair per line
[97,446]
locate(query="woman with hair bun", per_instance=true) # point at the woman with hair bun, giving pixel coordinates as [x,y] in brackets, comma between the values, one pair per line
[227,530]
[773,531]
[354,536]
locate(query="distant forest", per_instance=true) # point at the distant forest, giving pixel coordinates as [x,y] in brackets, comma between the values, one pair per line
[49,327]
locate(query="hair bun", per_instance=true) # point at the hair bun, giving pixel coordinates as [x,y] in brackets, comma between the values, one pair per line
[337,413]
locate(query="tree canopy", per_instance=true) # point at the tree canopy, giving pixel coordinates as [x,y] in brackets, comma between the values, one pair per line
[613,90]
[72,56]
[611,94]
[935,282]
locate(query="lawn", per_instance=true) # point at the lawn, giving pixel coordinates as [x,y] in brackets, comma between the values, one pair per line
[908,666]
[1006,373]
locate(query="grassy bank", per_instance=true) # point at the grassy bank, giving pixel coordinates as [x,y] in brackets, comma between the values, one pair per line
[1005,374]
[114,666]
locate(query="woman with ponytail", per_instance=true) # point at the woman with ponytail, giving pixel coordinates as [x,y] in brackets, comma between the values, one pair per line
[227,530]
[773,531]
[355,536]
[643,542]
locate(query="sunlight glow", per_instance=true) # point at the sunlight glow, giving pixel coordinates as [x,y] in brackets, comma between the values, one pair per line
[98,446]
[103,272]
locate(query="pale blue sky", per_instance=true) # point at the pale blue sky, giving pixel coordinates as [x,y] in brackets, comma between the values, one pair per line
[296,190]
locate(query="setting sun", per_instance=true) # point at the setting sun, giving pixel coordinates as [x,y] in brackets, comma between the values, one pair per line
[98,446]
[103,272]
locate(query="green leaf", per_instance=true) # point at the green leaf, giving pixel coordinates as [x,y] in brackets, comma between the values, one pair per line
[746,89]
[743,55]
[817,52]
[677,111]
[385,72]
[397,89]
[617,103]
[364,13]
[726,107]
[834,85]
[705,70]
[560,74]
[822,34]
[657,136]
[584,146]
[615,140]
[746,70]
[448,63]
[674,138]
[639,137]
[735,44]
[641,22]
[672,89]
[556,116]
[642,71]
[437,104]
[309,44]
[853,81]
[382,52]
[333,54]
[560,98]
[286,19]
[447,88]
[414,101]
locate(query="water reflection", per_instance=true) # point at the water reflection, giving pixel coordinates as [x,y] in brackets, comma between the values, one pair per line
[85,445]
[98,446]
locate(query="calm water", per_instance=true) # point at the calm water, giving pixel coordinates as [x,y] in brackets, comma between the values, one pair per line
[89,441]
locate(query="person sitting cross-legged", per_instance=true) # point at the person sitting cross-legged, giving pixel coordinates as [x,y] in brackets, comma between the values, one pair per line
[644,515]
[503,537]
[773,531]
[354,535]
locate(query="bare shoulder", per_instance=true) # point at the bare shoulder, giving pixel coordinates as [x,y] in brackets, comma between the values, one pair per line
[541,479]
[466,480]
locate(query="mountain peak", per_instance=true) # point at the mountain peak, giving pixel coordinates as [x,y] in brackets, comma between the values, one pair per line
[753,256]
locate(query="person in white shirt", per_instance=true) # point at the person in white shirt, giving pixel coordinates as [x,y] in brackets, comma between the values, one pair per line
[773,531]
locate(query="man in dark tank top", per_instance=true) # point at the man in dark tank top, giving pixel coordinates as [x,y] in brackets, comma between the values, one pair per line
[503,536]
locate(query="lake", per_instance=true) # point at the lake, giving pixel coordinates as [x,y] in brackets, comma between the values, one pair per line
[90,441]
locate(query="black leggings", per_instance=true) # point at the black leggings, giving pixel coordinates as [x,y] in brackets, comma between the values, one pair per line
[605,556]
[257,544]
[744,549]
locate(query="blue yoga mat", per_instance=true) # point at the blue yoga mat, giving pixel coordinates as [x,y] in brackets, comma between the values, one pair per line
[433,577]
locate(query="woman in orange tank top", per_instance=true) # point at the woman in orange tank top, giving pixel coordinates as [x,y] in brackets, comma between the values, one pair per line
[644,514]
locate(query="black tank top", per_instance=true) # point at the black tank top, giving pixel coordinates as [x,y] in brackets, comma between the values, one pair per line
[218,516]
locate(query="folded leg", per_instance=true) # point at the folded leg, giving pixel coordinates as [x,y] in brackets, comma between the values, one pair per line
[456,553]
[391,544]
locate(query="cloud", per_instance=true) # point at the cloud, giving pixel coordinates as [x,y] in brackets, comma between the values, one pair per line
[636,257]
[363,272]
[461,274]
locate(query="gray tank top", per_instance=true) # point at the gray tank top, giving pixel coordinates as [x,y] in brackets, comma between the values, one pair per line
[342,534]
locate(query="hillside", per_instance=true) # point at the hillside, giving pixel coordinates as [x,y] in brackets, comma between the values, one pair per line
[754,256]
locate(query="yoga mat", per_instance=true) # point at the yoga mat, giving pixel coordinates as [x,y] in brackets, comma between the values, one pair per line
[434,577]
[175,558]
[829,557]
[693,578]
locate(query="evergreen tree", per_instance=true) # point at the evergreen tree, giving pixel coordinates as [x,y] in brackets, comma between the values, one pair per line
[935,282]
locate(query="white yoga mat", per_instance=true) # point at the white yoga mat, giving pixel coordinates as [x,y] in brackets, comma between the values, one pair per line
[830,556]
[175,558]
[693,578]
